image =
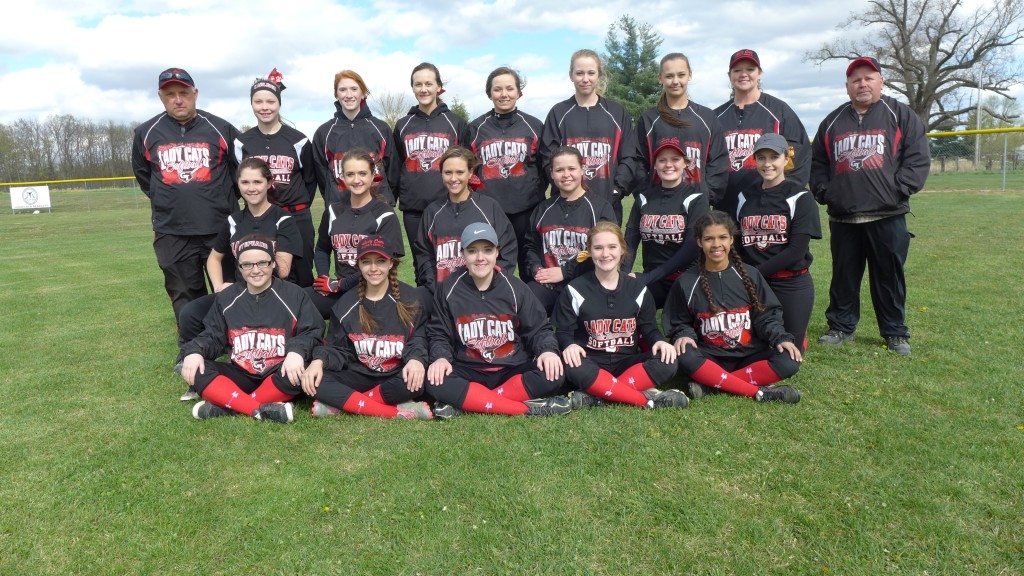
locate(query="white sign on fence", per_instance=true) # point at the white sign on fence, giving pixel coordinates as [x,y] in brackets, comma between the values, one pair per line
[30,198]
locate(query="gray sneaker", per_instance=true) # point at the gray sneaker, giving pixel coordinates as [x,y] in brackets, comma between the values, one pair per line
[205,410]
[898,344]
[189,395]
[553,406]
[283,412]
[835,338]
[579,400]
[696,390]
[323,410]
[784,394]
[444,411]
[670,398]
[415,411]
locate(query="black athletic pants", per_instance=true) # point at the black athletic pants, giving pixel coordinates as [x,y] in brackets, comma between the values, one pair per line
[302,264]
[455,385]
[883,246]
[521,226]
[182,259]
[585,375]
[796,294]
[411,220]
[336,388]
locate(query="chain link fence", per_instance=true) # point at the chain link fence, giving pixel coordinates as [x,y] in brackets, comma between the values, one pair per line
[977,160]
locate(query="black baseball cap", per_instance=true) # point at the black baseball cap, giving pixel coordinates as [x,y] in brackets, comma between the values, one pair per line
[862,61]
[175,76]
[745,54]
[375,244]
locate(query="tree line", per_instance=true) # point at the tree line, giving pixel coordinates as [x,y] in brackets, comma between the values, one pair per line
[64,147]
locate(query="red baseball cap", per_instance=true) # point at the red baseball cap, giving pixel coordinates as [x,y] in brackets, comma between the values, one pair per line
[175,76]
[863,61]
[745,54]
[374,245]
[668,144]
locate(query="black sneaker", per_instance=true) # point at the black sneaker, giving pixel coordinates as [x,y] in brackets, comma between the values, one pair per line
[282,412]
[189,395]
[696,390]
[670,398]
[898,344]
[444,411]
[784,394]
[205,410]
[579,400]
[553,406]
[835,338]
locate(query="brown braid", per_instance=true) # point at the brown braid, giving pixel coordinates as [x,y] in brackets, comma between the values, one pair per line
[737,263]
[366,321]
[406,312]
[705,285]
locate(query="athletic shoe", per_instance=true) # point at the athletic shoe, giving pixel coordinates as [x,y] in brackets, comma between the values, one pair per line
[784,394]
[205,410]
[322,410]
[283,412]
[415,411]
[553,406]
[696,390]
[670,398]
[579,400]
[445,411]
[177,368]
[835,338]
[898,344]
[189,395]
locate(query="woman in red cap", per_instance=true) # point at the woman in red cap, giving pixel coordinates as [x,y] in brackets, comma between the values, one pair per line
[744,118]
[693,127]
[270,327]
[662,219]
[376,352]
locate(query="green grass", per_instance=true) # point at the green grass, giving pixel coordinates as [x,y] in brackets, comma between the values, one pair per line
[887,466]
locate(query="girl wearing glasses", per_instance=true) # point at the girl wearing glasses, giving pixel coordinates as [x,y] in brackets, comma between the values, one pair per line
[270,327]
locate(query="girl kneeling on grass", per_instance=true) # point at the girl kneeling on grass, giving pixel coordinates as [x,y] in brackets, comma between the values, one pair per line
[726,322]
[374,330]
[492,344]
[600,318]
[271,327]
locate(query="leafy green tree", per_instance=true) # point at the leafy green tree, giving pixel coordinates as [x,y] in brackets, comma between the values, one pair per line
[632,64]
[459,108]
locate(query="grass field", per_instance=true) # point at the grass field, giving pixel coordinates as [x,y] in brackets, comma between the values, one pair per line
[887,466]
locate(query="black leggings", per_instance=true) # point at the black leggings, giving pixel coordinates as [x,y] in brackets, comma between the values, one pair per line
[585,375]
[244,380]
[455,385]
[336,388]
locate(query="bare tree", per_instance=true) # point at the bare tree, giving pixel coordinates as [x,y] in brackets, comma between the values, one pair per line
[932,50]
[390,106]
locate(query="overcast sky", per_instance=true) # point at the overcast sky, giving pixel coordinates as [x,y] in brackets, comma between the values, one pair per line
[99,59]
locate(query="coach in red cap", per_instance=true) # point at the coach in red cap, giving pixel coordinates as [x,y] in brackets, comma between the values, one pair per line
[183,162]
[868,157]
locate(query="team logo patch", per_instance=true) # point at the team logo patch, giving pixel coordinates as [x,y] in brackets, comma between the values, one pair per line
[345,247]
[610,334]
[422,150]
[663,228]
[740,144]
[488,337]
[447,256]
[597,155]
[184,163]
[380,353]
[503,158]
[562,243]
[257,350]
[762,232]
[281,167]
[729,329]
[855,151]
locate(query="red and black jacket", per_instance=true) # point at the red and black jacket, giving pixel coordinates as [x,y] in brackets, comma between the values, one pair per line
[776,226]
[742,127]
[420,140]
[702,142]
[510,169]
[869,165]
[439,240]
[603,133]
[736,330]
[504,325]
[339,135]
[290,157]
[275,223]
[261,329]
[187,171]
[662,221]
[605,321]
[341,229]
[558,231]
[383,352]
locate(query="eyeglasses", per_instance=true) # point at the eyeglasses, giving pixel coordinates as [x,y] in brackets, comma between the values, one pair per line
[248,266]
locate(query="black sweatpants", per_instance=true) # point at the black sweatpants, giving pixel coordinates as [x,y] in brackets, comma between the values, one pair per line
[336,388]
[454,387]
[585,375]
[182,259]
[796,294]
[784,366]
[521,226]
[301,273]
[547,293]
[882,245]
[411,220]
[247,382]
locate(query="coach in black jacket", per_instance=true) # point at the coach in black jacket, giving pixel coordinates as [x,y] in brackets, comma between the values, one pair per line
[868,157]
[184,162]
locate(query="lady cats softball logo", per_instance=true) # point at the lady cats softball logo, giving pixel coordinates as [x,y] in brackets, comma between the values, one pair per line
[728,329]
[257,350]
[487,337]
[183,163]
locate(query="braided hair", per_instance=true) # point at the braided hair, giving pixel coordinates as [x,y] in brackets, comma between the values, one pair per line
[406,312]
[719,218]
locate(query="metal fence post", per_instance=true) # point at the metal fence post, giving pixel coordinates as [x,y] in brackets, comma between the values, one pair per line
[1006,139]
